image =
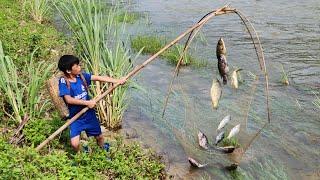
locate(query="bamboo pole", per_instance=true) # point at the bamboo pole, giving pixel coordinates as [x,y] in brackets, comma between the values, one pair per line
[132,73]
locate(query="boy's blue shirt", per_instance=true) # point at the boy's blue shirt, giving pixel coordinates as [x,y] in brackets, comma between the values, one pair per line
[78,91]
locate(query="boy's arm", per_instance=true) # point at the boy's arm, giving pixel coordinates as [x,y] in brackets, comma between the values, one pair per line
[108,79]
[71,100]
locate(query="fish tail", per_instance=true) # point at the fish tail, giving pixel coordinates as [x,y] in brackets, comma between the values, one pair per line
[224,80]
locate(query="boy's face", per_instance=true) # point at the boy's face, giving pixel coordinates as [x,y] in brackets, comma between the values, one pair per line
[76,69]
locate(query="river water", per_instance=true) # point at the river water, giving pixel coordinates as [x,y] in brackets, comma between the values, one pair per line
[289,147]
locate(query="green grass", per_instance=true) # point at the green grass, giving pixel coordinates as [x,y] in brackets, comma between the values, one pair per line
[152,44]
[22,80]
[21,35]
[127,17]
[127,162]
[39,9]
[21,87]
[230,142]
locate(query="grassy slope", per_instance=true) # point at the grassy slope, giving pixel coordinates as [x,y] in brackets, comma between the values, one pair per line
[20,36]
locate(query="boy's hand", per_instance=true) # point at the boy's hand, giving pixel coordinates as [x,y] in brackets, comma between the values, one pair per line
[122,80]
[91,103]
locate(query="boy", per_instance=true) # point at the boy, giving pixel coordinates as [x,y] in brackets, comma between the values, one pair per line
[73,88]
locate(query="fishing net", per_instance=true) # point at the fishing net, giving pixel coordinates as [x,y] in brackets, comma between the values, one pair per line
[178,99]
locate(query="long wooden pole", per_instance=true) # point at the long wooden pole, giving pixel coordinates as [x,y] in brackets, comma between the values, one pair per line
[132,73]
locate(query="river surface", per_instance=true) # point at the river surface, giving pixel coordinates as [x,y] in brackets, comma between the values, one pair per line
[289,147]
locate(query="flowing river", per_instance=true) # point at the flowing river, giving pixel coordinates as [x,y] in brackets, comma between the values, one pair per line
[289,147]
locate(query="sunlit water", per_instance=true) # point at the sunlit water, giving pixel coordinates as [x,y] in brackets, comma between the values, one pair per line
[290,34]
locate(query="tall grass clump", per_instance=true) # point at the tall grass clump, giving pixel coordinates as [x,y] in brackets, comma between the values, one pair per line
[152,44]
[284,77]
[21,87]
[126,17]
[39,9]
[97,35]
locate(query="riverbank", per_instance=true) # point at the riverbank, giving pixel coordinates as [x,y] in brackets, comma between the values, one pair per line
[24,39]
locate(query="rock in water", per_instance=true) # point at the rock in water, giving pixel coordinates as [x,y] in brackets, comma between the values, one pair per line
[215,93]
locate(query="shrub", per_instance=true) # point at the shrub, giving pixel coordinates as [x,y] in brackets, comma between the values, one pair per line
[127,162]
[37,130]
[21,88]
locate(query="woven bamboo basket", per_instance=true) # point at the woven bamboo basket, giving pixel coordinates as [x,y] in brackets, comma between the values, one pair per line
[53,89]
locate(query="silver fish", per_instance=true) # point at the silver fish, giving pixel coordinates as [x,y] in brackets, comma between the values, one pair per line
[226,149]
[219,137]
[235,130]
[234,78]
[215,93]
[195,163]
[203,140]
[224,121]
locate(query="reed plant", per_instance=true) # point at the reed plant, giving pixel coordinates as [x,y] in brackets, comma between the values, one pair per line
[12,90]
[97,35]
[39,9]
[21,87]
[284,77]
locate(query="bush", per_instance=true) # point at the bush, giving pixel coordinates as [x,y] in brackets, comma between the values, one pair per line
[37,130]
[127,162]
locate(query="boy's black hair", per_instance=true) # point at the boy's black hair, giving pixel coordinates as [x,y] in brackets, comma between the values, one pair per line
[66,62]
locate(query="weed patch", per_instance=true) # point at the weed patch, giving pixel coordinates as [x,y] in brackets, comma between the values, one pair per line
[152,44]
[127,17]
[123,162]
[21,35]
[230,142]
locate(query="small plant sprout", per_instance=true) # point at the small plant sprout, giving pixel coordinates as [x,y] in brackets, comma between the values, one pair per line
[284,77]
